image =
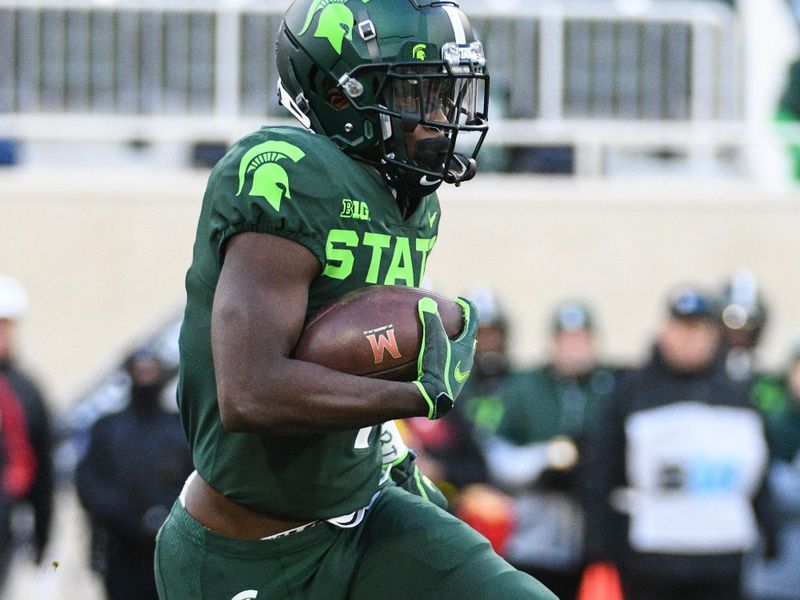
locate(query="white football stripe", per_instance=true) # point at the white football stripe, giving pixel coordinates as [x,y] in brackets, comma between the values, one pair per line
[458,26]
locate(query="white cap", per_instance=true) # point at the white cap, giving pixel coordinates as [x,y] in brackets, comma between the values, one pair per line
[13,299]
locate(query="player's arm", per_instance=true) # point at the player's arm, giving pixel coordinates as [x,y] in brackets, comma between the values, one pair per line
[258,316]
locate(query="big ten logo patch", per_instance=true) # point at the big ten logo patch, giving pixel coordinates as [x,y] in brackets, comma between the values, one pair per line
[383,340]
[354,209]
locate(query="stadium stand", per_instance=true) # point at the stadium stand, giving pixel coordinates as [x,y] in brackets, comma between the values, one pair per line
[592,76]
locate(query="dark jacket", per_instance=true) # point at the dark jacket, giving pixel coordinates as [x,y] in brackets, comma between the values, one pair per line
[132,472]
[38,421]
[690,413]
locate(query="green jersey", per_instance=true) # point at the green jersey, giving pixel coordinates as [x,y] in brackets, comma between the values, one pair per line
[292,183]
[539,405]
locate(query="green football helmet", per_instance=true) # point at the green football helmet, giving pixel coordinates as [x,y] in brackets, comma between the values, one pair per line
[365,73]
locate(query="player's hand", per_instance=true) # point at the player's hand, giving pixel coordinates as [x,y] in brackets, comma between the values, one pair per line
[406,474]
[444,364]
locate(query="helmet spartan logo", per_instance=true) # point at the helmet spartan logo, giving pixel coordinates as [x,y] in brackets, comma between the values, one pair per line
[335,23]
[383,340]
[270,180]
[418,51]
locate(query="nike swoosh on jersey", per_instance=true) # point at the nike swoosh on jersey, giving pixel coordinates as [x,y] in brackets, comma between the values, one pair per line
[459,374]
[432,218]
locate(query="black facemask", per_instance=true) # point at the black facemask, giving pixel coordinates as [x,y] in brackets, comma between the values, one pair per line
[430,153]
[145,397]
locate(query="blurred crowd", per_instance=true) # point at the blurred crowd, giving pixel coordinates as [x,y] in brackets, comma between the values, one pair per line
[130,461]
[677,478]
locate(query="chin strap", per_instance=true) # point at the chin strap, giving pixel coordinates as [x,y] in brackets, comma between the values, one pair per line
[411,187]
[429,154]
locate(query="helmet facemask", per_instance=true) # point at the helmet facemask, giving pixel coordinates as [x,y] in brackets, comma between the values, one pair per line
[448,100]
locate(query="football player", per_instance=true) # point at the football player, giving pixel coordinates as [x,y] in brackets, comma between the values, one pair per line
[290,498]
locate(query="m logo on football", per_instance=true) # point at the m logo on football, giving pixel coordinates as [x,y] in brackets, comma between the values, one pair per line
[382,340]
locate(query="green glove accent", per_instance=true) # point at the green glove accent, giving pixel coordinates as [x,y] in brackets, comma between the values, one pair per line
[406,474]
[444,364]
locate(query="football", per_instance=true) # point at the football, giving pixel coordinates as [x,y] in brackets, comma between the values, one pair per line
[374,331]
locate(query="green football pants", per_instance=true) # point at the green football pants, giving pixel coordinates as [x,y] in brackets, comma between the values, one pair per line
[405,549]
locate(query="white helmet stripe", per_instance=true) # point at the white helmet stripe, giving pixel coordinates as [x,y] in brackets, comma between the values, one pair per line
[458,25]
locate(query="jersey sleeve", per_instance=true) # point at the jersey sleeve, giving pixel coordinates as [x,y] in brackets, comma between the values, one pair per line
[275,183]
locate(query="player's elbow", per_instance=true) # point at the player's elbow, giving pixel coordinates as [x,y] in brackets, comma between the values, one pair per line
[241,411]
[235,409]
[233,415]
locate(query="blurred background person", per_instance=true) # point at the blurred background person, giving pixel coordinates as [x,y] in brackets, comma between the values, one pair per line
[133,469]
[39,498]
[482,397]
[537,446]
[17,468]
[448,453]
[675,472]
[783,427]
[778,577]
[788,112]
[743,315]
